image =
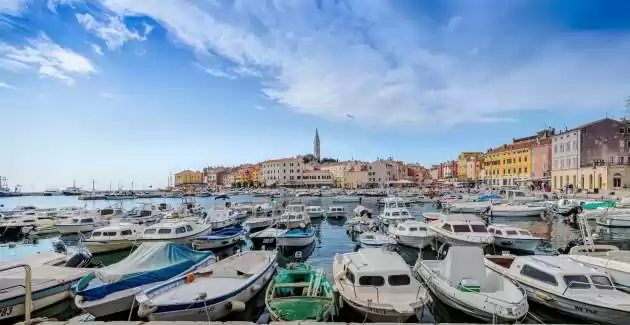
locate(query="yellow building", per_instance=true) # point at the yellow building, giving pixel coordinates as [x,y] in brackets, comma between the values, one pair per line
[337,170]
[510,164]
[188,179]
[462,164]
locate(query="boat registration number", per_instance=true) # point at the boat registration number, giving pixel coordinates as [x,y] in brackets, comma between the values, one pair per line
[268,241]
[585,310]
[6,311]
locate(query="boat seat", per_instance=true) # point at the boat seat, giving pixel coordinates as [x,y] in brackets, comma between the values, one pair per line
[293,285]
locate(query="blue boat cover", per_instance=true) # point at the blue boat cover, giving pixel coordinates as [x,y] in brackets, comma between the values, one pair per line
[225,232]
[151,262]
[487,197]
[297,232]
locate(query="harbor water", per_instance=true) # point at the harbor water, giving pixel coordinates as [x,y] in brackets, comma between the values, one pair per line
[332,238]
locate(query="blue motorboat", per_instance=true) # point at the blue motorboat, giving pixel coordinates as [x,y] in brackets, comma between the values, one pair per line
[220,238]
[111,289]
[297,237]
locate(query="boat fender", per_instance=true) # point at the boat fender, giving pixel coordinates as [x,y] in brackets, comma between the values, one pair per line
[235,306]
[146,309]
[340,302]
[255,288]
[542,295]
[190,278]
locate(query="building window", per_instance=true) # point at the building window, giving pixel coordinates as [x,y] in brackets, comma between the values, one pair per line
[621,160]
[555,182]
[525,170]
[611,159]
[555,149]
[622,130]
[617,180]
[519,170]
[582,182]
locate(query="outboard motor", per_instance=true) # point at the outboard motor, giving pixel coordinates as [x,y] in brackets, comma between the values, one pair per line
[442,251]
[79,260]
[59,246]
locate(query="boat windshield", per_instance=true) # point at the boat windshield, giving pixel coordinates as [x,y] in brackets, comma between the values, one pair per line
[601,282]
[461,228]
[577,281]
[150,231]
[524,233]
[511,232]
[478,228]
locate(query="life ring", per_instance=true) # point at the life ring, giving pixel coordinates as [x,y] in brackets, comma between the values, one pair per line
[190,278]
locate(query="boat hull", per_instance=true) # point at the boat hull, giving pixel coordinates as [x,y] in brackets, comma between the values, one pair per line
[111,304]
[316,215]
[525,245]
[78,228]
[414,241]
[517,214]
[379,315]
[215,308]
[216,243]
[295,241]
[14,307]
[614,222]
[100,247]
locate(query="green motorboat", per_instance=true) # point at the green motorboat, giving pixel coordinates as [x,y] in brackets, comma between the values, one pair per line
[298,293]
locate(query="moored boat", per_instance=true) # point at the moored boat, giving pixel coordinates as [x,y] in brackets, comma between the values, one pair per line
[220,238]
[463,282]
[411,233]
[297,237]
[182,232]
[209,293]
[111,289]
[461,229]
[374,239]
[112,238]
[514,238]
[300,293]
[379,285]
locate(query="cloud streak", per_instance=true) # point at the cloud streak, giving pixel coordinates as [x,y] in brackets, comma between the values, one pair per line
[6,85]
[368,60]
[113,31]
[46,58]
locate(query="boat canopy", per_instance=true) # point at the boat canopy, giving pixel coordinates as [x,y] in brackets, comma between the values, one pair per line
[151,262]
[595,205]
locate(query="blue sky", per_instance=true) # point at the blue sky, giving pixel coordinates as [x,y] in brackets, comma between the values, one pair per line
[121,90]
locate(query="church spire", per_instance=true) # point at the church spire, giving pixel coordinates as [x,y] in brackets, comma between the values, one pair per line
[316,144]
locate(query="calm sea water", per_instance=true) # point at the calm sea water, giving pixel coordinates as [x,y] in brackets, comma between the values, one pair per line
[332,238]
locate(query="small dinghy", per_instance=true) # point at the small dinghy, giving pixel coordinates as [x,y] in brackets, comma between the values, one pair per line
[220,238]
[300,293]
[212,292]
[374,239]
[111,289]
[463,282]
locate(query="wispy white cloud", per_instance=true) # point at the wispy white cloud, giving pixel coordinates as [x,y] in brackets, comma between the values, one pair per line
[366,60]
[6,85]
[97,49]
[214,71]
[12,7]
[106,94]
[113,31]
[47,58]
[260,107]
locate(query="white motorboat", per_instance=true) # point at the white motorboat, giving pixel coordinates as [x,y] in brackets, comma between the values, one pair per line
[255,224]
[422,199]
[519,196]
[39,224]
[379,285]
[296,237]
[374,239]
[614,218]
[221,218]
[81,223]
[411,233]
[111,289]
[361,211]
[113,238]
[294,216]
[49,286]
[394,212]
[565,285]
[463,282]
[517,210]
[219,239]
[346,199]
[467,207]
[336,212]
[315,211]
[514,238]
[175,231]
[266,236]
[461,229]
[211,293]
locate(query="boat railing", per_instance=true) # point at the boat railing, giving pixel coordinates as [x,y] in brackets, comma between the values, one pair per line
[28,303]
[354,290]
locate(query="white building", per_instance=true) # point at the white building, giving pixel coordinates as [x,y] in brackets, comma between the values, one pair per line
[282,172]
[381,173]
[311,178]
[565,153]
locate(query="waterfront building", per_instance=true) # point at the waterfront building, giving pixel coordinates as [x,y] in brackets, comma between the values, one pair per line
[417,174]
[337,170]
[213,176]
[462,165]
[283,172]
[594,156]
[381,173]
[231,178]
[357,177]
[316,178]
[188,177]
[472,168]
[434,172]
[316,146]
[509,164]
[541,163]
